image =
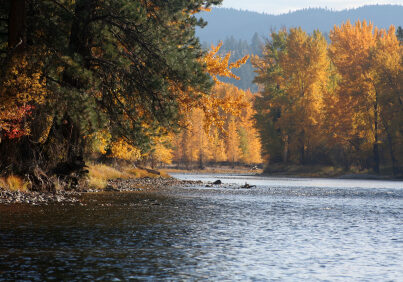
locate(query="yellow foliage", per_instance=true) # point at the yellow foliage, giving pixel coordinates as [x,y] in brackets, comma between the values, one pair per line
[161,152]
[22,87]
[213,104]
[220,141]
[341,101]
[123,150]
[358,53]
[100,140]
[220,66]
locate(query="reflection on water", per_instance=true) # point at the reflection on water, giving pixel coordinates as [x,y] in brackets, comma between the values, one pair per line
[285,228]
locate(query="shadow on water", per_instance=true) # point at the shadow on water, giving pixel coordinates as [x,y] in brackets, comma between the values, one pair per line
[333,231]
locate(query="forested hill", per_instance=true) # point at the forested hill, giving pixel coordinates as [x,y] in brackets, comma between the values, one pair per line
[244,32]
[223,23]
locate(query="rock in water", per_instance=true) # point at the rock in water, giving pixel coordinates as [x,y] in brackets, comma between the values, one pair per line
[217,182]
[247,186]
[110,188]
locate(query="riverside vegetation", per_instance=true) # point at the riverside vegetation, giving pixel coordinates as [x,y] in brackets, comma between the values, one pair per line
[92,81]
[101,178]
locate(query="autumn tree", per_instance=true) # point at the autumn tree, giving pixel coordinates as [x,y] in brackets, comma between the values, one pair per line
[387,63]
[209,112]
[293,74]
[234,139]
[339,104]
[268,70]
[106,65]
[249,138]
[358,52]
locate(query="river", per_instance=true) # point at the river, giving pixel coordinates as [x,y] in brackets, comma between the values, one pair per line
[285,228]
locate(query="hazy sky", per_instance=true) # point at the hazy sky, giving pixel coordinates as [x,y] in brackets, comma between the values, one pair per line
[284,6]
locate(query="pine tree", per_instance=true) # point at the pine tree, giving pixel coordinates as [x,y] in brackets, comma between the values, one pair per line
[399,34]
[108,65]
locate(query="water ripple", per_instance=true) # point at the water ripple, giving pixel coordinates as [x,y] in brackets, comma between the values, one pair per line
[294,230]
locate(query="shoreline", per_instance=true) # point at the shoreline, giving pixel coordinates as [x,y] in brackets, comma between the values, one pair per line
[293,172]
[8,197]
[148,184]
[344,176]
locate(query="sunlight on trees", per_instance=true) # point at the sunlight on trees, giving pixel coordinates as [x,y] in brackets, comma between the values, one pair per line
[334,104]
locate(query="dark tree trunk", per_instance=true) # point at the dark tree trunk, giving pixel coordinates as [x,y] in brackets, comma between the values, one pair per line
[376,145]
[62,153]
[302,154]
[201,165]
[16,26]
[285,150]
[395,165]
[302,148]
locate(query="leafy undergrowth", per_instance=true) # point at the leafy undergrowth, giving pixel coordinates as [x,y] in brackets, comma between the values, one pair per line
[99,174]
[14,183]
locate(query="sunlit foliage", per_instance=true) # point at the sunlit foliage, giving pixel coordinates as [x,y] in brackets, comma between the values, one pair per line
[337,104]
[235,140]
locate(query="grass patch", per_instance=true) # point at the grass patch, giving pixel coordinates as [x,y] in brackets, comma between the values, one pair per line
[14,183]
[140,173]
[102,171]
[99,174]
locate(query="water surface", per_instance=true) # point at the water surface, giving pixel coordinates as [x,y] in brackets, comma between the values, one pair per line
[293,229]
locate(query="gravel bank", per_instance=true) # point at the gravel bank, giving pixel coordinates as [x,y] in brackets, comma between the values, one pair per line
[146,183]
[115,185]
[36,198]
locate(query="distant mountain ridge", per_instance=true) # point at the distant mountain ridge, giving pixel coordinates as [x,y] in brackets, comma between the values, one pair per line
[224,22]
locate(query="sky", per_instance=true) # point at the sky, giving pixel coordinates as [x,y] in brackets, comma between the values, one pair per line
[285,6]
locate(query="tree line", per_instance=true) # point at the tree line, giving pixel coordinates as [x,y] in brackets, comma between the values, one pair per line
[337,103]
[214,129]
[235,141]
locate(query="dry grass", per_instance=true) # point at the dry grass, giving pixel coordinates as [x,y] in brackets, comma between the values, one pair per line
[14,183]
[102,171]
[99,174]
[139,173]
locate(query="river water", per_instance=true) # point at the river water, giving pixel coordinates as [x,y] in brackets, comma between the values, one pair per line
[288,229]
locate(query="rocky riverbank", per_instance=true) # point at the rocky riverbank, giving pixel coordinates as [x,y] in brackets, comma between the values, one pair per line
[146,183]
[37,198]
[114,185]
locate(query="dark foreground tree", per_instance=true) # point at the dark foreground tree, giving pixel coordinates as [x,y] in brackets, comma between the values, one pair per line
[87,65]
